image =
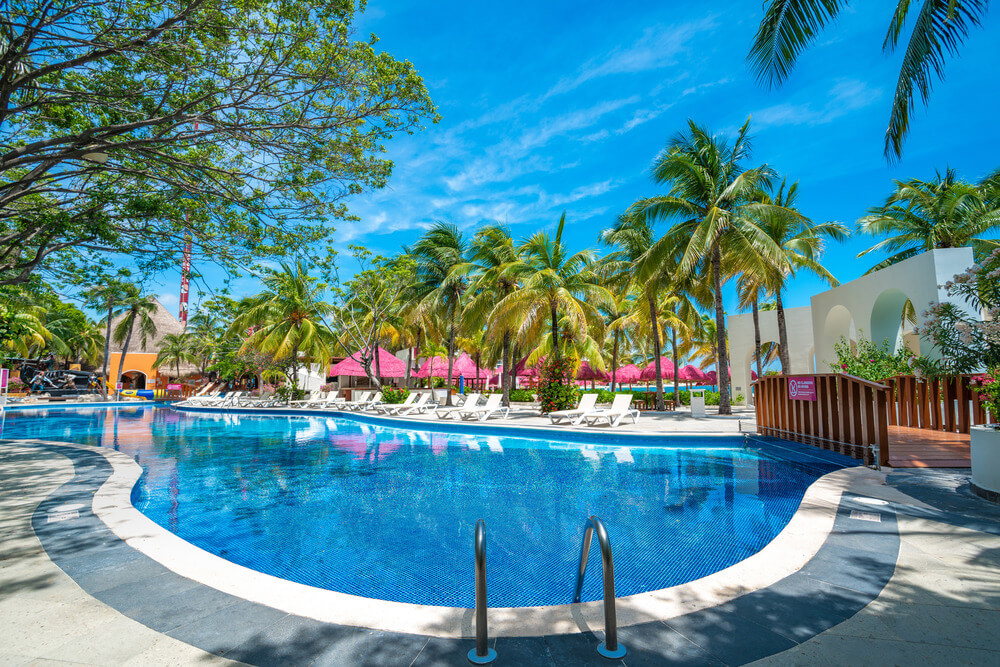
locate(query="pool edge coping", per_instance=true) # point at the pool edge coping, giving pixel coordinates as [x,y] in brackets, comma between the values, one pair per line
[787,553]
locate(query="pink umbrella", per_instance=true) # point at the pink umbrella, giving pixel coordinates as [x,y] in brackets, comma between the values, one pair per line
[435,367]
[464,365]
[586,372]
[691,374]
[628,374]
[753,375]
[388,364]
[523,371]
[666,370]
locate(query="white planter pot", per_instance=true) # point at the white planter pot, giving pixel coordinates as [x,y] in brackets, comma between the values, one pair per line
[986,461]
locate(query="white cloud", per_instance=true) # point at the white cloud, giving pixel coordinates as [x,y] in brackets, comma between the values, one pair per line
[846,96]
[170,300]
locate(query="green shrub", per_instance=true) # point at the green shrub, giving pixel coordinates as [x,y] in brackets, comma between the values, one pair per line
[394,395]
[521,395]
[871,361]
[605,396]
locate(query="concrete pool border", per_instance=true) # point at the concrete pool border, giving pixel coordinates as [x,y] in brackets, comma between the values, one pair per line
[797,543]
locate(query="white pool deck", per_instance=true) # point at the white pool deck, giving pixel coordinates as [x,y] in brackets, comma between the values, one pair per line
[941,606]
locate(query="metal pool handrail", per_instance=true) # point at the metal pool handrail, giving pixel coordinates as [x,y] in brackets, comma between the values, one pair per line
[482,654]
[609,648]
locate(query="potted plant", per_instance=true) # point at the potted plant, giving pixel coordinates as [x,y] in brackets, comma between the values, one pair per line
[986,439]
[968,344]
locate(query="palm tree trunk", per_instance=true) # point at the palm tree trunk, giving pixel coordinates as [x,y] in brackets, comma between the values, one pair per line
[722,354]
[756,338]
[614,361]
[655,322]
[673,356]
[786,366]
[295,372]
[451,359]
[107,348]
[512,372]
[128,339]
[409,365]
[505,377]
[555,328]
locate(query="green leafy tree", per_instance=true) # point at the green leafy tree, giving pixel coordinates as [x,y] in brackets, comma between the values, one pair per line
[944,212]
[938,28]
[127,127]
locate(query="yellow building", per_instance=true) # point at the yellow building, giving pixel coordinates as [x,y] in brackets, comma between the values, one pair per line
[138,371]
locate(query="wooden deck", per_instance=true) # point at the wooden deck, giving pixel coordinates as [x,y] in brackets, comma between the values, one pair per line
[920,448]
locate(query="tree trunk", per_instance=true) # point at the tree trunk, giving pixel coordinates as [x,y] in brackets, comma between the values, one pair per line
[505,376]
[107,349]
[614,361]
[512,373]
[378,363]
[722,354]
[673,356]
[555,327]
[451,359]
[655,322]
[128,339]
[756,338]
[786,365]
[295,372]
[409,364]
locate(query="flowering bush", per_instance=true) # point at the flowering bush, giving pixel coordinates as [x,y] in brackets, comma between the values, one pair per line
[394,396]
[329,386]
[556,389]
[15,385]
[871,361]
[263,391]
[988,386]
[968,344]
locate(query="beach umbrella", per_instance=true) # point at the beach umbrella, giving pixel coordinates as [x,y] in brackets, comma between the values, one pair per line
[388,365]
[627,374]
[434,367]
[666,370]
[753,375]
[587,372]
[465,366]
[691,374]
[526,372]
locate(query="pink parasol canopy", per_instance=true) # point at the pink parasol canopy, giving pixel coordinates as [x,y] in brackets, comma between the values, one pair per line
[464,365]
[525,372]
[586,372]
[388,364]
[628,374]
[753,375]
[691,374]
[666,370]
[436,367]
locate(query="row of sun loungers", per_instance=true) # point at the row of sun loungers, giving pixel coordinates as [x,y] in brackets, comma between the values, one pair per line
[587,411]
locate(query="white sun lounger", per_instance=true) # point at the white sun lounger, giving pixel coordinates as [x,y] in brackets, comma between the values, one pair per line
[485,411]
[315,399]
[359,402]
[419,406]
[386,408]
[620,408]
[443,412]
[587,404]
[373,403]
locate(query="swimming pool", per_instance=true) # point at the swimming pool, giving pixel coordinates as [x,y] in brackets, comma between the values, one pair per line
[389,513]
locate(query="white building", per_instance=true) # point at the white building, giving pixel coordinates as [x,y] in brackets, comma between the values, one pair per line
[870,307]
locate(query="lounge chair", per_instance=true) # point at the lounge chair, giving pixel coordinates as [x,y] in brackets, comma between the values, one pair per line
[485,411]
[386,408]
[315,399]
[443,412]
[620,408]
[359,402]
[205,399]
[334,400]
[420,405]
[373,402]
[587,404]
[232,399]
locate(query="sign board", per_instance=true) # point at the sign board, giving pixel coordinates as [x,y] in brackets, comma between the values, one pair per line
[119,385]
[802,389]
[173,387]
[3,378]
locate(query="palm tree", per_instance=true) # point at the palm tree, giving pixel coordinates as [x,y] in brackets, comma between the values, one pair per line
[438,286]
[135,310]
[940,26]
[554,284]
[620,315]
[801,244]
[175,349]
[944,212]
[288,319]
[491,260]
[710,194]
[85,342]
[101,297]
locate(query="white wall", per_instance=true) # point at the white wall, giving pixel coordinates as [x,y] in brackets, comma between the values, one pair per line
[798,325]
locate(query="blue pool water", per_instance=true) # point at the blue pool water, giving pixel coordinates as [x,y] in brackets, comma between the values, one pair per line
[389,513]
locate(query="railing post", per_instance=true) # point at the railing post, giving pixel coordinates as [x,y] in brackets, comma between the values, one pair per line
[609,648]
[482,654]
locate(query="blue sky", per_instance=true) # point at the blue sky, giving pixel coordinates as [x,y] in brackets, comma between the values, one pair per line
[552,106]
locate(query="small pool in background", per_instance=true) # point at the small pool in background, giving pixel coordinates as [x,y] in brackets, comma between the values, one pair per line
[389,513]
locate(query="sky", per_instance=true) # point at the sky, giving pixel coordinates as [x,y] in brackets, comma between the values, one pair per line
[556,106]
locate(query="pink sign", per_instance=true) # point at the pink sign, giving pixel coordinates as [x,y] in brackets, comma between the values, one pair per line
[802,389]
[119,385]
[173,387]
[3,378]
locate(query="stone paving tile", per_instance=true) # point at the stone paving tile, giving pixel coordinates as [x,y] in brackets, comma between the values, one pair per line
[655,644]
[229,627]
[729,636]
[841,651]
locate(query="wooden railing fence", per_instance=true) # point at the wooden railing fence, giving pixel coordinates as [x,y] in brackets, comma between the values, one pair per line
[944,404]
[848,416]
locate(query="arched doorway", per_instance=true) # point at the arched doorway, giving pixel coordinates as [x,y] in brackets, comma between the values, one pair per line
[893,320]
[133,380]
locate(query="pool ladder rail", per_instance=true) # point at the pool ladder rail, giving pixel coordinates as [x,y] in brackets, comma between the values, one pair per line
[482,654]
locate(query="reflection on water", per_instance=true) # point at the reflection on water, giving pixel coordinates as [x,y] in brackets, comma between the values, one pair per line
[390,513]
